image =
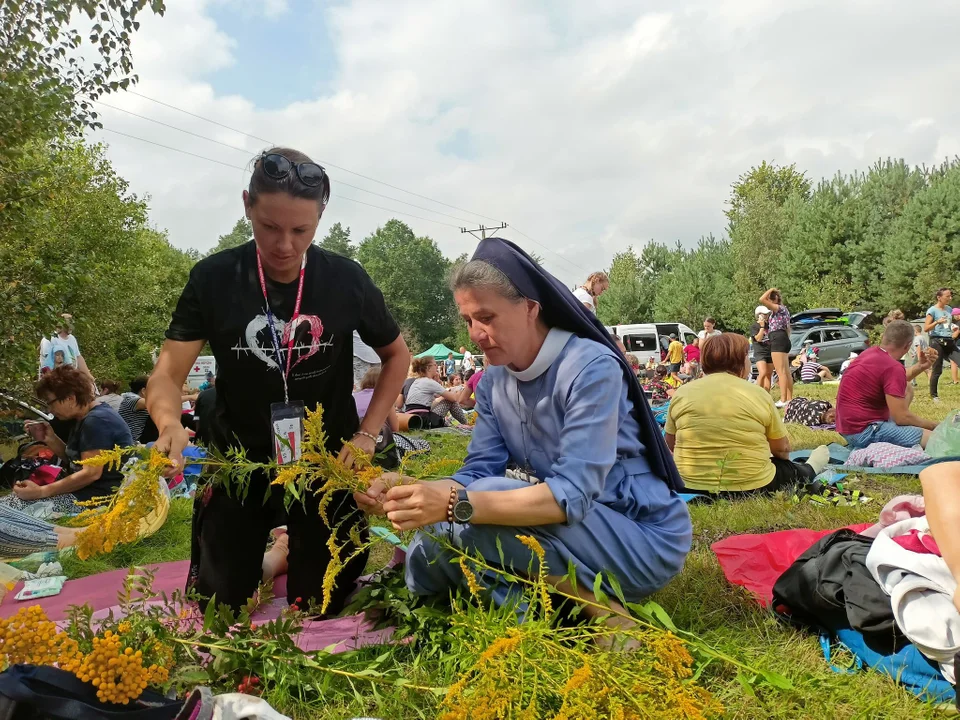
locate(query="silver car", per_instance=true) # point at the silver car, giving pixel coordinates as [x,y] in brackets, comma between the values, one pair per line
[833,333]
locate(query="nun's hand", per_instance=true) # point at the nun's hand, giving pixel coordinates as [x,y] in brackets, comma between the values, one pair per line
[409,507]
[371,500]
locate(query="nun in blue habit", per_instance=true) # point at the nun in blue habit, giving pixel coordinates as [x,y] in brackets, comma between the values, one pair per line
[565,448]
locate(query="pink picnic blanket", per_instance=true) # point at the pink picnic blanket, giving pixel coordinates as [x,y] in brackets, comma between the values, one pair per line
[100,593]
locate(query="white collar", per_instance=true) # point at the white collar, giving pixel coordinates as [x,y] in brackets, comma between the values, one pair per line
[555,341]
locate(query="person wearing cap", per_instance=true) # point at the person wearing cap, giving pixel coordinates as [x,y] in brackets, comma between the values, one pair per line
[674,356]
[760,345]
[813,372]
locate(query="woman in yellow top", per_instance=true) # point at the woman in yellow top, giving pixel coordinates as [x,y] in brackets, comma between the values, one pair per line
[725,433]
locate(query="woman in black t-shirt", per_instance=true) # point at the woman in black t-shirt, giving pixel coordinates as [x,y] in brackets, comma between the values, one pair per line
[279,314]
[68,393]
[760,344]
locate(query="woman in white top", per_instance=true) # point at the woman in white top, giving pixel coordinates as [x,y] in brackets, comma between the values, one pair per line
[595,286]
[427,397]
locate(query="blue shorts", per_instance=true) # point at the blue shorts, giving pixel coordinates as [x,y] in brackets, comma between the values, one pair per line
[674,367]
[888,432]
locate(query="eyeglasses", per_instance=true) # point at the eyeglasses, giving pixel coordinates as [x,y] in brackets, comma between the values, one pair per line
[279,167]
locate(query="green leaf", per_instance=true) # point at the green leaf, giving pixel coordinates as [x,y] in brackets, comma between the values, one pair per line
[598,590]
[776,680]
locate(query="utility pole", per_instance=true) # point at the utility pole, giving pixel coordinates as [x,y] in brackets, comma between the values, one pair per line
[483,230]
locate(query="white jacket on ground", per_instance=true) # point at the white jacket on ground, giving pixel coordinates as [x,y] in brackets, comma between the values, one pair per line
[921,592]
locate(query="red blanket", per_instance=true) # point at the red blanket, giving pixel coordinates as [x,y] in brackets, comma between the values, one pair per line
[757,561]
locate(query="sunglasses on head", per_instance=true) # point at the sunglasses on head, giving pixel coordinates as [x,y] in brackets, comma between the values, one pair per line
[279,167]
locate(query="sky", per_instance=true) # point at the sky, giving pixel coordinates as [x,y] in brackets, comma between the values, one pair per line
[587,127]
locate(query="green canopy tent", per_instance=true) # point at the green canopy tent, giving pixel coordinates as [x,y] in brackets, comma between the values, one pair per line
[440,352]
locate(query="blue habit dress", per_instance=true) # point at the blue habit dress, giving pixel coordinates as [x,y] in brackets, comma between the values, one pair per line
[569,421]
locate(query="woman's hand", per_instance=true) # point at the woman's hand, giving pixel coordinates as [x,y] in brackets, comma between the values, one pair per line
[372,499]
[361,442]
[173,439]
[29,490]
[410,507]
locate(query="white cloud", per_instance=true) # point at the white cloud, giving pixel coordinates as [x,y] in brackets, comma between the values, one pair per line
[591,126]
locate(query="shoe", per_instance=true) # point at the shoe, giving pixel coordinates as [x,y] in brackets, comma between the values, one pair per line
[936,399]
[780,404]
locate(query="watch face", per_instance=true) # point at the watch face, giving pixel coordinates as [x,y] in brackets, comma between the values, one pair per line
[463,511]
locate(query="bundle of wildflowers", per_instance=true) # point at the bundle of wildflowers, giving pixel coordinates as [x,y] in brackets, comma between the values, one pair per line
[517,661]
[116,519]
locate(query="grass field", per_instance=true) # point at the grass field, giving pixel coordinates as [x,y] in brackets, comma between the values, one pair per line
[699,599]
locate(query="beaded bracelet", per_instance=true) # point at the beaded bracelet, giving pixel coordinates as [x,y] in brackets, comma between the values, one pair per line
[453,501]
[365,434]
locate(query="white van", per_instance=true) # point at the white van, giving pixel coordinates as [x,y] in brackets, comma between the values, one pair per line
[198,373]
[646,340]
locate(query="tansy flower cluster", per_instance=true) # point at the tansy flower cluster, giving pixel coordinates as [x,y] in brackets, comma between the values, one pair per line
[117,671]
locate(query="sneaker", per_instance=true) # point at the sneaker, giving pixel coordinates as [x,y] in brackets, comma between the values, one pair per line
[936,399]
[780,404]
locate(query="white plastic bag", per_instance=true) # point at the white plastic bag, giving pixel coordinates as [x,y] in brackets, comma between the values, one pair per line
[945,439]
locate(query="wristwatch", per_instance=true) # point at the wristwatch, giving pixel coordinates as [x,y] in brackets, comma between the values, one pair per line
[462,509]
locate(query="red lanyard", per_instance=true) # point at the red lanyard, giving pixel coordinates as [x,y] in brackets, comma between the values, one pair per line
[292,325]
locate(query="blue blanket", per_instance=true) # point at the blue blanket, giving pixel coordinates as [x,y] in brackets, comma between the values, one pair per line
[908,667]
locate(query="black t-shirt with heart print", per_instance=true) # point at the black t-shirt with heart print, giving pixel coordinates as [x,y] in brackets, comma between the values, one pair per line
[223,304]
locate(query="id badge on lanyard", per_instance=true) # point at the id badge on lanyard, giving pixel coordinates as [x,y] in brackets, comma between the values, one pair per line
[286,418]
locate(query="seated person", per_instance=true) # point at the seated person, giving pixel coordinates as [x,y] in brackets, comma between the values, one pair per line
[657,388]
[848,362]
[602,489]
[468,394]
[364,395]
[813,372]
[941,495]
[873,402]
[68,393]
[651,366]
[427,397]
[723,429]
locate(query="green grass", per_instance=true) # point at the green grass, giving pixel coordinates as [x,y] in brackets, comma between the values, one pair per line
[170,542]
[699,599]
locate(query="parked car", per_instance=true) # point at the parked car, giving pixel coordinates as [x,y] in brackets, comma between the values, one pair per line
[834,333]
[646,340]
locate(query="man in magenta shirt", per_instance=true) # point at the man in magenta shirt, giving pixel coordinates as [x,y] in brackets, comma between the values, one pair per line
[873,403]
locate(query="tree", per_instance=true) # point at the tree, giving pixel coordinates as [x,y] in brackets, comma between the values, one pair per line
[698,285]
[337,241]
[412,274]
[86,250]
[47,83]
[241,234]
[768,181]
[922,251]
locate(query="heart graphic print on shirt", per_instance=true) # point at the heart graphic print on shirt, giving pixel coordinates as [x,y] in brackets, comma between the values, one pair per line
[257,340]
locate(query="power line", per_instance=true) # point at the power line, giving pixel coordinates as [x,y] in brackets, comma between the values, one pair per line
[343,169]
[240,167]
[568,262]
[247,153]
[322,162]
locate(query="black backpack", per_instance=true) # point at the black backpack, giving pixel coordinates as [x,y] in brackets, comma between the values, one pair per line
[30,692]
